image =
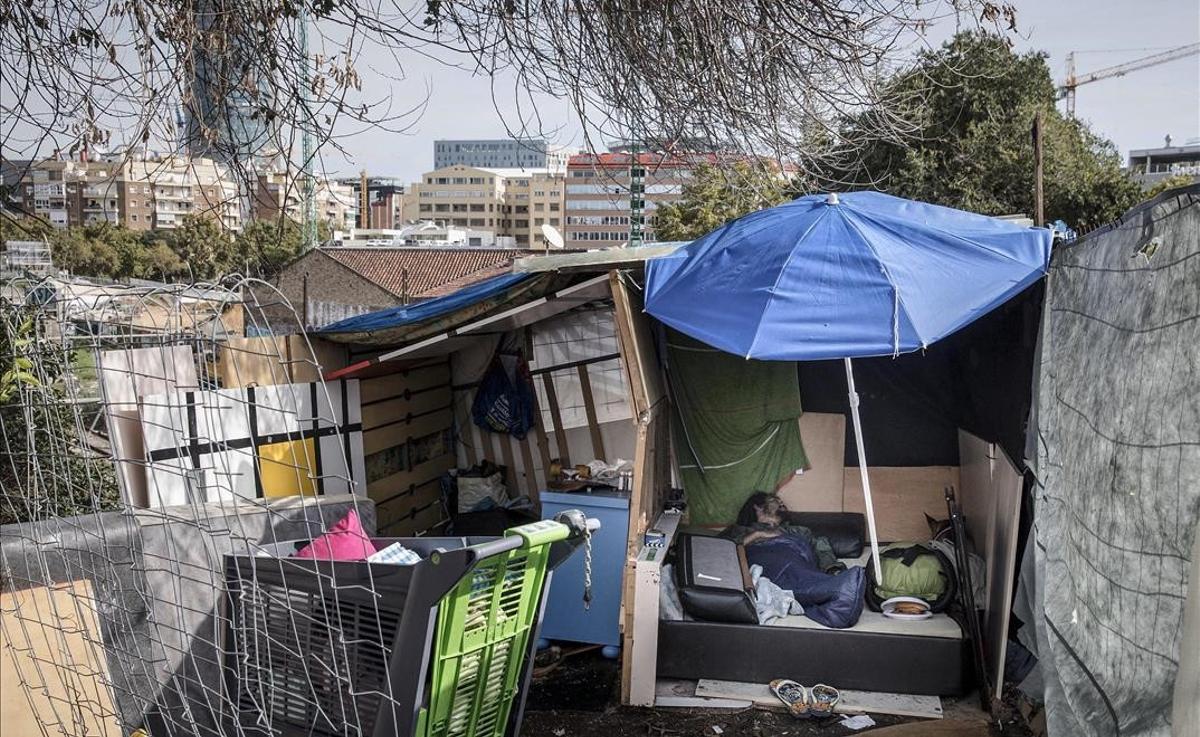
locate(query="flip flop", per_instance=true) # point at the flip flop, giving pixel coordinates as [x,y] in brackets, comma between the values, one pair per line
[793,695]
[824,700]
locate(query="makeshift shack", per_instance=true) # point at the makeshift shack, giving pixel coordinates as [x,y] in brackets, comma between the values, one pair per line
[953,415]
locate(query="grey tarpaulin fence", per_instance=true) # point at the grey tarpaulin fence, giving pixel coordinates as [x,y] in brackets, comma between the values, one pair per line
[1105,581]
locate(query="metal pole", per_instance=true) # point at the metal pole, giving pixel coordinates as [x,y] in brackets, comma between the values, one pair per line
[1039,205]
[862,468]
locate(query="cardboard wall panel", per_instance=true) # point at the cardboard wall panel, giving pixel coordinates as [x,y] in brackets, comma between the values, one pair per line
[820,487]
[902,497]
[53,670]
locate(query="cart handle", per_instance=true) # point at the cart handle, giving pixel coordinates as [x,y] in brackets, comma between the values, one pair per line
[534,533]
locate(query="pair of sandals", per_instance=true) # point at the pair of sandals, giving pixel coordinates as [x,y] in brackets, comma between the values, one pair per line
[817,702]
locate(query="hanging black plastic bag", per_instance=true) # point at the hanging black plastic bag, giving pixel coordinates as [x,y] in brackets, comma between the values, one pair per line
[504,402]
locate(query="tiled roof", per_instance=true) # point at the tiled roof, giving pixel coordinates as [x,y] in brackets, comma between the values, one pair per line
[431,271]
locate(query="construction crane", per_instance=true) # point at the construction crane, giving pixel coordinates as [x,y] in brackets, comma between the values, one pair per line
[308,222]
[1067,90]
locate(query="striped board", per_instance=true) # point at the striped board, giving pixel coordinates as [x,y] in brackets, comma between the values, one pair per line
[253,442]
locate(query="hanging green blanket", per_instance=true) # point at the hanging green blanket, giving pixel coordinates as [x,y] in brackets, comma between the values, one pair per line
[736,426]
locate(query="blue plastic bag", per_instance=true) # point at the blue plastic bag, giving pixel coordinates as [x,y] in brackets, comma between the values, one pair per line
[504,402]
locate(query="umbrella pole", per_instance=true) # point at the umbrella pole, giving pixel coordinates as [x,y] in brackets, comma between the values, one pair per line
[862,467]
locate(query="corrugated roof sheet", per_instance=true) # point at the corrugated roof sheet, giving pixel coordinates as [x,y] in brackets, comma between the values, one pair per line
[431,271]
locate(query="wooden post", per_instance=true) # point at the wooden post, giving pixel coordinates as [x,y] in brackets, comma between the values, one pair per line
[1039,204]
[589,406]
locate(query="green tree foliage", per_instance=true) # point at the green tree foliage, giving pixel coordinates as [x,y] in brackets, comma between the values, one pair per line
[197,249]
[714,196]
[1171,182]
[268,246]
[39,419]
[973,147]
[206,249]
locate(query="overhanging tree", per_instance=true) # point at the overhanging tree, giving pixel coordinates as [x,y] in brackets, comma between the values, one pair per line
[972,148]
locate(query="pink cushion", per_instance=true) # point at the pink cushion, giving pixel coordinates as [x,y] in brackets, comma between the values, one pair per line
[345,541]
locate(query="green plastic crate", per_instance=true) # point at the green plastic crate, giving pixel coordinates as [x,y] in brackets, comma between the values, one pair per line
[482,637]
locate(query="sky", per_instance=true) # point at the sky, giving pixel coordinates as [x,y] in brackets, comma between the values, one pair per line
[1134,111]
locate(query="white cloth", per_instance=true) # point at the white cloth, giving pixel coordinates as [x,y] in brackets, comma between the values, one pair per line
[670,607]
[772,601]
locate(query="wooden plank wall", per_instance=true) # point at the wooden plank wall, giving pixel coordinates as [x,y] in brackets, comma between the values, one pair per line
[408,442]
[408,421]
[282,359]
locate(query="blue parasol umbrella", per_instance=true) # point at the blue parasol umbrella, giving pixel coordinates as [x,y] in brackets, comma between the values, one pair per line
[849,276]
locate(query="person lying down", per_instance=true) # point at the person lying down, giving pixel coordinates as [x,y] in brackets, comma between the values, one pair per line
[796,560]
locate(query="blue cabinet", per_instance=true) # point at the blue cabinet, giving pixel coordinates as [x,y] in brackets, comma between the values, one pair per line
[566,619]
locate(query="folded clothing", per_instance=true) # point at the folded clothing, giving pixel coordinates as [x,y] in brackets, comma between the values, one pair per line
[396,554]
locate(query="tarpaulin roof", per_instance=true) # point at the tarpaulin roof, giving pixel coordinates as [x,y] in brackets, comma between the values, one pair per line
[394,317]
[863,274]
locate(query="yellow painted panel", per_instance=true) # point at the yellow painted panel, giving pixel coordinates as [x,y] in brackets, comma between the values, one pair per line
[286,468]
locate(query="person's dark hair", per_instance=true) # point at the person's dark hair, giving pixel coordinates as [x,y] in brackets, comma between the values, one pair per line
[747,515]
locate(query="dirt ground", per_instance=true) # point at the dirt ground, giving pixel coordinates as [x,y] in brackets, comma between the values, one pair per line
[581,698]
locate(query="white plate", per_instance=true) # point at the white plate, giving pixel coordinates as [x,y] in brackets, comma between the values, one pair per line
[889,605]
[909,617]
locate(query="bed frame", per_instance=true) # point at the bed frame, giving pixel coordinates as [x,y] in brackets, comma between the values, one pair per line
[930,657]
[859,660]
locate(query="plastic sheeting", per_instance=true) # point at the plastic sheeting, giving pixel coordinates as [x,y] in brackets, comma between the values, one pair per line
[412,314]
[1105,579]
[864,275]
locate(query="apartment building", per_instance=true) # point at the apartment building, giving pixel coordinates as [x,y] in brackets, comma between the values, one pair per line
[501,153]
[141,194]
[1150,166]
[282,193]
[512,203]
[596,207]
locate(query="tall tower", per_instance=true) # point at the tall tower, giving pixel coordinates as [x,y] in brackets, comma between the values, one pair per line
[225,113]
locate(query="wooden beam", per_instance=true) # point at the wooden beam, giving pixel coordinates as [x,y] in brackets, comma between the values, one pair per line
[510,463]
[589,406]
[560,436]
[531,483]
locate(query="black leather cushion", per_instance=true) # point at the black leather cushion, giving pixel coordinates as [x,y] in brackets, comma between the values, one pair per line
[714,580]
[845,530]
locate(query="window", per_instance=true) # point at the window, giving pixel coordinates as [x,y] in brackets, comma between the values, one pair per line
[443,180]
[441,208]
[458,208]
[460,221]
[553,207]
[522,223]
[539,193]
[554,222]
[133,203]
[133,218]
[538,221]
[459,180]
[476,222]
[539,206]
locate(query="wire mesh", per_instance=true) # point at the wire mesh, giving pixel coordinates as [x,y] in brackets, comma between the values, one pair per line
[146,433]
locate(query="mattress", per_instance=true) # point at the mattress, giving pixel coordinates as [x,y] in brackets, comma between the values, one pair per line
[939,625]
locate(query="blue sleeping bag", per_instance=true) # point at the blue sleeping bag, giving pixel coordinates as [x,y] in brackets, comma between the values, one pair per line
[834,600]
